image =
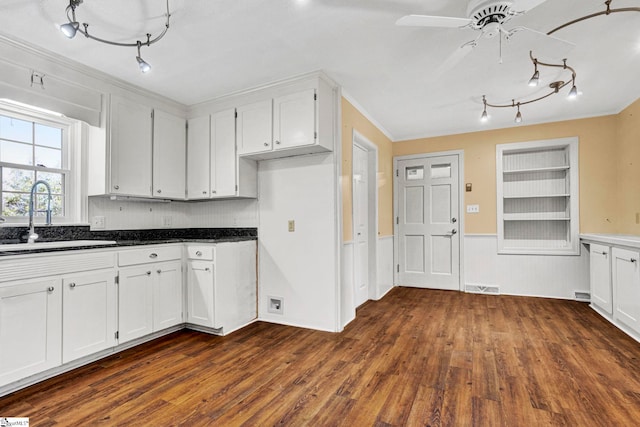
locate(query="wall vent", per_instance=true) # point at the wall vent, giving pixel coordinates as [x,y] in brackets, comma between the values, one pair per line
[483,289]
[582,296]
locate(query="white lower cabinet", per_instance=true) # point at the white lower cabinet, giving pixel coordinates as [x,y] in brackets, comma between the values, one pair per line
[221,285]
[89,313]
[600,277]
[150,290]
[626,285]
[30,328]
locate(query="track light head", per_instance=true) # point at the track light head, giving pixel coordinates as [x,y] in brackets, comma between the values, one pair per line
[518,115]
[573,93]
[70,29]
[535,79]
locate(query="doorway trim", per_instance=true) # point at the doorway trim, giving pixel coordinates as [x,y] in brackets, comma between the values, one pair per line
[372,187]
[461,208]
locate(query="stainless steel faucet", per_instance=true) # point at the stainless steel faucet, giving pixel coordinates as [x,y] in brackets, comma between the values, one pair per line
[32,236]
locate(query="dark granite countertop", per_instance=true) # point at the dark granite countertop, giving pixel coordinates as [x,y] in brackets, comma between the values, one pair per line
[123,238]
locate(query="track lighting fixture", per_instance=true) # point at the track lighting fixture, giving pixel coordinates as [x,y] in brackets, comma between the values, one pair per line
[72,27]
[554,86]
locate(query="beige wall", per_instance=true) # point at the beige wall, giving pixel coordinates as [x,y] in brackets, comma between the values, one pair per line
[353,119]
[598,165]
[628,167]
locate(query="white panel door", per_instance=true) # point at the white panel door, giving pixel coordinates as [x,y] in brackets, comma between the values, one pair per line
[255,127]
[626,283]
[600,276]
[428,238]
[167,295]
[169,152]
[223,154]
[89,314]
[294,120]
[198,167]
[135,302]
[130,139]
[200,307]
[361,224]
[30,328]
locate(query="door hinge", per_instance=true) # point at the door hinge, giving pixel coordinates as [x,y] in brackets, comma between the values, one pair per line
[186,125]
[236,114]
[397,172]
[236,187]
[152,114]
[117,280]
[315,96]
[397,220]
[117,334]
[315,135]
[398,268]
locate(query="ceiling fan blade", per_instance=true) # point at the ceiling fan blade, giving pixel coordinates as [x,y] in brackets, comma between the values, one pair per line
[452,60]
[521,6]
[432,21]
[540,43]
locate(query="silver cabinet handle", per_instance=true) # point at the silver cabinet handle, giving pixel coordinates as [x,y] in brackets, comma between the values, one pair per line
[153,255]
[72,285]
[117,187]
[50,289]
[149,273]
[198,253]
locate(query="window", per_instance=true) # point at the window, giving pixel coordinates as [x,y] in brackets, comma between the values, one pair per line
[35,146]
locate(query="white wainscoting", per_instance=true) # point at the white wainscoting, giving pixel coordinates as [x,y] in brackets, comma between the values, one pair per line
[531,275]
[347,304]
[384,266]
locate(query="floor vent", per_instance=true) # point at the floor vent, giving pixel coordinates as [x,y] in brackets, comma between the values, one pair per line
[483,289]
[582,296]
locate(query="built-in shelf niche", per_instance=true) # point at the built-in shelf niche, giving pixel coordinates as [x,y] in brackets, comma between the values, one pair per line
[537,189]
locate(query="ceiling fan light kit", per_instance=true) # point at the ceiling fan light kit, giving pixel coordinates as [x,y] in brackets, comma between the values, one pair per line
[71,28]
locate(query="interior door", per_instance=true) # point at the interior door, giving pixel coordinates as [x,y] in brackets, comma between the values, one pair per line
[361,224]
[427,220]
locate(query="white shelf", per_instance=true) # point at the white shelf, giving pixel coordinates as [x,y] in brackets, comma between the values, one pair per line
[537,201]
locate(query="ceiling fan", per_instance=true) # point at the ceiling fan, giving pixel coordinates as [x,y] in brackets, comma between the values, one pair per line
[485,16]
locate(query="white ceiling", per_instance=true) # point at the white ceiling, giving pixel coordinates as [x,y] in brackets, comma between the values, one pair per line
[216,47]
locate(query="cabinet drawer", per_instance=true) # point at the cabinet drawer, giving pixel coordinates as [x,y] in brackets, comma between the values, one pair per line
[200,252]
[149,254]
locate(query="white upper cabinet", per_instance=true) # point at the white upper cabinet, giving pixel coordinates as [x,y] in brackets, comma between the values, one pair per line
[255,127]
[169,152]
[294,120]
[198,137]
[130,141]
[289,123]
[214,170]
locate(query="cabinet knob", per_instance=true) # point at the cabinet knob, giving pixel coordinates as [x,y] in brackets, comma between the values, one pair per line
[214,192]
[266,144]
[158,271]
[198,253]
[159,191]
[204,192]
[50,289]
[72,285]
[149,273]
[153,255]
[633,260]
[277,142]
[207,269]
[117,187]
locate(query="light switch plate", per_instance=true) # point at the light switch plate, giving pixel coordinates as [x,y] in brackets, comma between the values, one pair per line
[292,225]
[98,223]
[473,208]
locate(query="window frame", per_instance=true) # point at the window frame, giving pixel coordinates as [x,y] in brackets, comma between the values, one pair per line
[71,166]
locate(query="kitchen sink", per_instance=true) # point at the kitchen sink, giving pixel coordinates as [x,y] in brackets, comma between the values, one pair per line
[53,245]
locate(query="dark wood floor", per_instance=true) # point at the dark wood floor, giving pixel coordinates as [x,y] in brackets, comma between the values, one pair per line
[416,357]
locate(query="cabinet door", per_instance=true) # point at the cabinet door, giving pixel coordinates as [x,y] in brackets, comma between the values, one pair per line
[88,314]
[223,154]
[200,293]
[255,132]
[130,146]
[135,302]
[626,282]
[294,120]
[600,277]
[30,328]
[198,140]
[169,155]
[167,295]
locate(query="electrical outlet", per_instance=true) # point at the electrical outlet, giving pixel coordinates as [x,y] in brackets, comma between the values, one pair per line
[167,221]
[98,223]
[473,208]
[292,225]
